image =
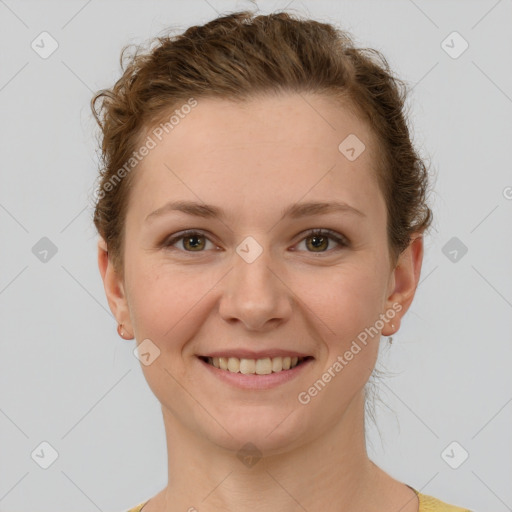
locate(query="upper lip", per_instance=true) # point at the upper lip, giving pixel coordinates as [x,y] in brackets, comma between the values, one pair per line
[252,354]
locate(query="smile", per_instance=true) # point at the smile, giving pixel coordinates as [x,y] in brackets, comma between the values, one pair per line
[263,366]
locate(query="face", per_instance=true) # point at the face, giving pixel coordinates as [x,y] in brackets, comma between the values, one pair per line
[252,279]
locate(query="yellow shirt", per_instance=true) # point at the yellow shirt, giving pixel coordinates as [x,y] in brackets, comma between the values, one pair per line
[427,504]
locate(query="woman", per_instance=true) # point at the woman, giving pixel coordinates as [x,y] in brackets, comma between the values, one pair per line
[261,213]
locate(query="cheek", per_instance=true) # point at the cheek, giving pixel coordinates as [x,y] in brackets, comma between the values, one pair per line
[166,303]
[152,300]
[350,308]
[351,311]
[350,299]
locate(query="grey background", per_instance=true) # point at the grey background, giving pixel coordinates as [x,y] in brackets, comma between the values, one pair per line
[67,379]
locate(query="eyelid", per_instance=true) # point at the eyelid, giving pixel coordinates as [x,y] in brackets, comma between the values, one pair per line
[180,235]
[340,239]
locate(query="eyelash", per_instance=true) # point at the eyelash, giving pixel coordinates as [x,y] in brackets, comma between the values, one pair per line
[332,235]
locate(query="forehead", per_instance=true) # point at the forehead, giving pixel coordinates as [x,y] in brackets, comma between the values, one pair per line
[288,119]
[282,147]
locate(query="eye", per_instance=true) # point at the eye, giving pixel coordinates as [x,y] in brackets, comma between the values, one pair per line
[190,239]
[195,241]
[320,240]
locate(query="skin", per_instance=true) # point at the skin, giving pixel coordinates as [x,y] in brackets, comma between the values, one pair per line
[253,160]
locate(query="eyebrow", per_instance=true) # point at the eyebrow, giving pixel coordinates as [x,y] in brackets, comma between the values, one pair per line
[294,211]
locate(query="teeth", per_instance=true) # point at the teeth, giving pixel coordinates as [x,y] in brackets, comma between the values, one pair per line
[246,365]
[277,364]
[255,366]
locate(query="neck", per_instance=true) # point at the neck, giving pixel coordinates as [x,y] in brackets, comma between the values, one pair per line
[330,472]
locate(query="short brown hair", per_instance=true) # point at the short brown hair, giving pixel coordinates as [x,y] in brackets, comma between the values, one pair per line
[237,57]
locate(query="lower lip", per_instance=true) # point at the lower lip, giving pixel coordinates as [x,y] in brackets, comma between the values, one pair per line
[253,381]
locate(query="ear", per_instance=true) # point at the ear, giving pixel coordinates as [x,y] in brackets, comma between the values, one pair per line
[114,288]
[403,283]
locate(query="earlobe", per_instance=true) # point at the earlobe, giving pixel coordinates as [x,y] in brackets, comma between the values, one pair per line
[405,278]
[114,287]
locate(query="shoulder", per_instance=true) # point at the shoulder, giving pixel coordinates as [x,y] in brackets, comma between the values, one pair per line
[138,508]
[431,504]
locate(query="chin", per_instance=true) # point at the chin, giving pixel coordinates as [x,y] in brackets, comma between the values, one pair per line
[268,432]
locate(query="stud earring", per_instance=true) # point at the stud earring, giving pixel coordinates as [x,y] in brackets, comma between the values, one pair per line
[121,332]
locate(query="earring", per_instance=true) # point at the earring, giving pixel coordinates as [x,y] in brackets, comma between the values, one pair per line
[390,339]
[121,332]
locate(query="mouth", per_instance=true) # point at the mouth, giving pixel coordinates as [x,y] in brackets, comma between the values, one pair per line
[262,366]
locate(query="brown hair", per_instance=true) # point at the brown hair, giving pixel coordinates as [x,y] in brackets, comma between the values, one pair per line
[236,57]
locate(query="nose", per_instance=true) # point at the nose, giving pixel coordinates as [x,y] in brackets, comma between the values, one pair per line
[255,294]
